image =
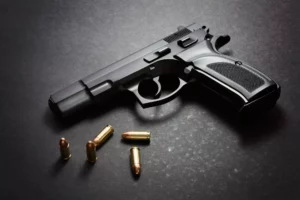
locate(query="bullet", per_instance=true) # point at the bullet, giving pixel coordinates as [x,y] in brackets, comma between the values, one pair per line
[135,160]
[136,135]
[64,147]
[103,135]
[91,152]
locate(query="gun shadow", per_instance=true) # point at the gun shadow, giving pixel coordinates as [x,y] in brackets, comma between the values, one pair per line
[127,101]
[252,129]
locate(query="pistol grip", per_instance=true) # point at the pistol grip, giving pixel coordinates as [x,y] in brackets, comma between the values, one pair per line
[245,87]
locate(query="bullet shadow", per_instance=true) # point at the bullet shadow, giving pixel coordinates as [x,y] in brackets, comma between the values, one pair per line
[136,142]
[86,169]
[58,166]
[251,128]
[134,176]
[58,124]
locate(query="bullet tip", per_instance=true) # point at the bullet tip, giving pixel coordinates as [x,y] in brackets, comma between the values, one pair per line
[137,169]
[124,135]
[63,143]
[90,145]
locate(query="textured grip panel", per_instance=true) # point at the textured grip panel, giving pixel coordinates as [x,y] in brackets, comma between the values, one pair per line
[238,74]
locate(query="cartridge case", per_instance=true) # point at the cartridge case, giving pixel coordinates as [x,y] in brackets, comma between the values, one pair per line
[135,160]
[64,147]
[103,135]
[136,135]
[91,152]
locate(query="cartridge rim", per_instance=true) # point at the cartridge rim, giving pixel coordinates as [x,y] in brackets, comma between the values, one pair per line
[110,127]
[134,148]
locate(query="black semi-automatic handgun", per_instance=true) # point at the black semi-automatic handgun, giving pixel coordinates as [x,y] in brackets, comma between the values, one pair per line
[191,54]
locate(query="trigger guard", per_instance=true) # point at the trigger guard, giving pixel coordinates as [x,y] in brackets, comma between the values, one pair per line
[146,103]
[219,41]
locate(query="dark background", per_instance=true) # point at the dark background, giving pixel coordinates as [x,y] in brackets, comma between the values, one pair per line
[196,151]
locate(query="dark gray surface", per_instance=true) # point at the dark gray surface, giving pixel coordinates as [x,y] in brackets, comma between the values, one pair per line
[195,152]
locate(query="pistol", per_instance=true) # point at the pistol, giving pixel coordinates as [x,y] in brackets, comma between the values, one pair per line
[190,55]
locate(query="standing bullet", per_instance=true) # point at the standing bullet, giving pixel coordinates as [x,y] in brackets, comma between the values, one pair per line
[136,135]
[103,135]
[91,152]
[135,160]
[64,149]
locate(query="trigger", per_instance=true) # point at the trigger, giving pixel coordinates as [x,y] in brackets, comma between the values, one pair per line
[157,94]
